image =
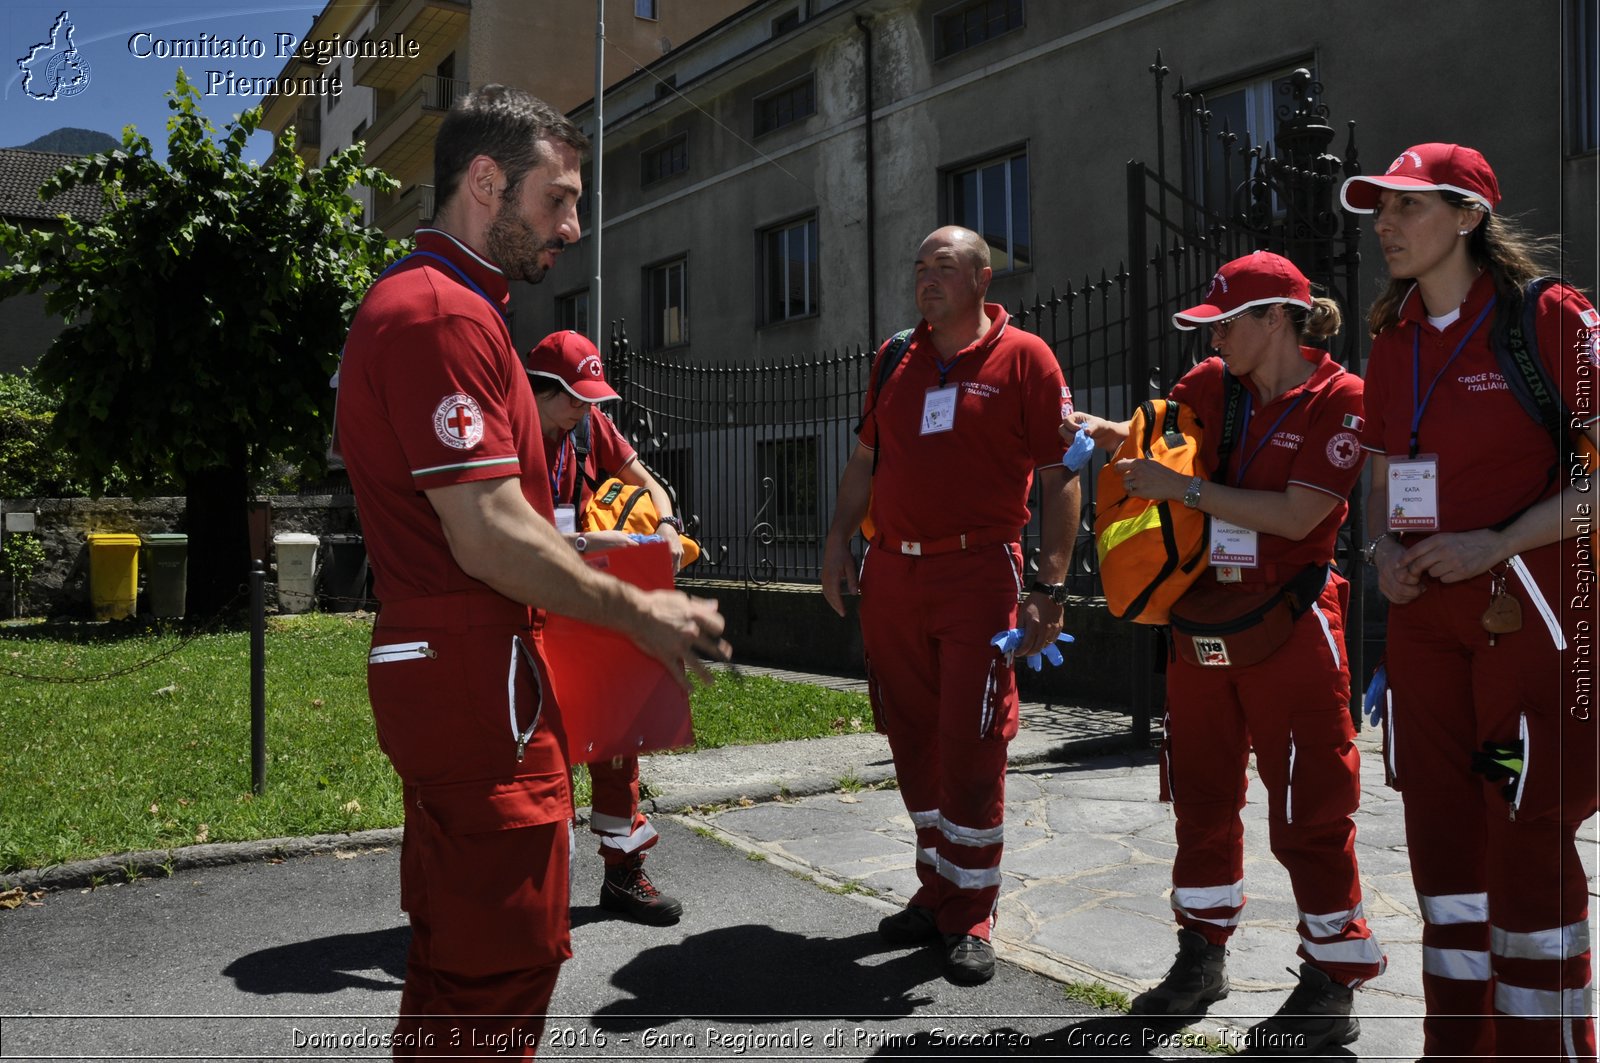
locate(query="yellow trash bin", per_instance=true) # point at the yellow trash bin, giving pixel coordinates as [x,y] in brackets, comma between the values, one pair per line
[113,574]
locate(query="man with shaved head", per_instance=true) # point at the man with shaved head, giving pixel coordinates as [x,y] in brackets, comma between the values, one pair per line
[950,441]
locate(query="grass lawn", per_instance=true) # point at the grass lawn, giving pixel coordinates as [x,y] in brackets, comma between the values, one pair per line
[160,757]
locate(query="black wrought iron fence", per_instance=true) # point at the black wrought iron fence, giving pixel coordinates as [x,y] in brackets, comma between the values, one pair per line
[752,451]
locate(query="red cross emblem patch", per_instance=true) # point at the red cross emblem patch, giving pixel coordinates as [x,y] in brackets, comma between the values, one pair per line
[458,422]
[1344,450]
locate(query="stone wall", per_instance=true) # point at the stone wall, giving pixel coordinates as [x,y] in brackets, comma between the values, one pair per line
[61,586]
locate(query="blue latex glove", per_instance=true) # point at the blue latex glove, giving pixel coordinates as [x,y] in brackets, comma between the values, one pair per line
[1077,455]
[1377,695]
[641,539]
[1008,641]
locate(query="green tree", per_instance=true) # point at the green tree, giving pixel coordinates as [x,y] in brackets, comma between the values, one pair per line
[204,315]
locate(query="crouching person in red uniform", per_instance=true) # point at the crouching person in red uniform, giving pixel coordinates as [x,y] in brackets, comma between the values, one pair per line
[1476,515]
[569,384]
[439,431]
[948,449]
[1276,510]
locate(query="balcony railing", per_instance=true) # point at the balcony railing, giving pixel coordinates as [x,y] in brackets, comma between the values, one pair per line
[398,215]
[428,94]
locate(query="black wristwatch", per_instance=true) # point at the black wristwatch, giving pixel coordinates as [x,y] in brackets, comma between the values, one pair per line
[1056,592]
[677,524]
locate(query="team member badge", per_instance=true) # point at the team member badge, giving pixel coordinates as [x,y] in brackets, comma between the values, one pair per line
[458,422]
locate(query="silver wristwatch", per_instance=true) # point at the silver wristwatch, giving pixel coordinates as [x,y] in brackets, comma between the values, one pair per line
[1370,553]
[1191,497]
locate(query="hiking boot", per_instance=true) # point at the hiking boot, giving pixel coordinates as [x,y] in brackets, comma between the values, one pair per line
[968,960]
[1316,1016]
[909,926]
[627,889]
[1196,978]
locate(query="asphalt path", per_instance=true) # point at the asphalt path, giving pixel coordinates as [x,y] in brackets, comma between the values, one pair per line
[303,958]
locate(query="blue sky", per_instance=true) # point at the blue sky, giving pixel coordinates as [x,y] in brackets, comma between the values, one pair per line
[120,87]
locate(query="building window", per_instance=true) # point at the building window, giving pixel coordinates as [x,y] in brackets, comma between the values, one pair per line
[666,304]
[1248,109]
[331,100]
[970,24]
[359,133]
[787,105]
[1583,81]
[664,86]
[665,160]
[785,22]
[645,9]
[572,311]
[789,270]
[791,464]
[992,200]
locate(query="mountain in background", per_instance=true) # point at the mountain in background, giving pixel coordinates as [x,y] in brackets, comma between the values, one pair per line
[71,141]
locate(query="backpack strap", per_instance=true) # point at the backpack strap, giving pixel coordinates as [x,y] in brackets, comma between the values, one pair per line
[1516,350]
[892,356]
[582,446]
[1232,410]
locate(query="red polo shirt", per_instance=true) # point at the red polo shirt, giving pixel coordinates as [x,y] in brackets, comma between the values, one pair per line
[1492,456]
[432,393]
[1309,435]
[976,476]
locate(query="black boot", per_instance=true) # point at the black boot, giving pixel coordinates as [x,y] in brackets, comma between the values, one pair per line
[1316,1016]
[627,889]
[1196,978]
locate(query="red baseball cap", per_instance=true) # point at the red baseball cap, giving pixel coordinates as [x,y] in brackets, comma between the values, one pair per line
[1430,167]
[570,359]
[1258,279]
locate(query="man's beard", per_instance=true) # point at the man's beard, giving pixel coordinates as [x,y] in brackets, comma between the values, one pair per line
[515,247]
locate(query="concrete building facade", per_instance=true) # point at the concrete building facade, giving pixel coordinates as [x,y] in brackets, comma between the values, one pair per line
[766,184]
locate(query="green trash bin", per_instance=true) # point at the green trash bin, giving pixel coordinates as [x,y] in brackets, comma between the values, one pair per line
[166,558]
[113,574]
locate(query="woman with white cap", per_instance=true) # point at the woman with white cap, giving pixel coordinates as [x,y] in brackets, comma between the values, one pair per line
[1276,501]
[1475,518]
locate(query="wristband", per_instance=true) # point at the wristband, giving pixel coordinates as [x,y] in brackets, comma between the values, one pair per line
[581,543]
[677,524]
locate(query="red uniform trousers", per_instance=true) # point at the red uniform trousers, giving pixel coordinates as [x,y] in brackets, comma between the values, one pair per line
[625,832]
[1293,710]
[1506,960]
[483,872]
[948,703]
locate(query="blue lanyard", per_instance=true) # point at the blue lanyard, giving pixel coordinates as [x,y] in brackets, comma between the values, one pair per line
[1419,404]
[945,367]
[561,464]
[457,270]
[1244,433]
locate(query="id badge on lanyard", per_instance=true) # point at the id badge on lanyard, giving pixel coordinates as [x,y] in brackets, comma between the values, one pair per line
[939,409]
[566,520]
[1414,493]
[1233,548]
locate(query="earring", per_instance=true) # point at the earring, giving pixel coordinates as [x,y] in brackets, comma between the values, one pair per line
[1463,232]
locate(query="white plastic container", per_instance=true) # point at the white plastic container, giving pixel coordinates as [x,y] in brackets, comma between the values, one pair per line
[297,571]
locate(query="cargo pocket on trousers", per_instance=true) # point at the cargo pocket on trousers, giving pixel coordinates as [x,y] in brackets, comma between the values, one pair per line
[875,699]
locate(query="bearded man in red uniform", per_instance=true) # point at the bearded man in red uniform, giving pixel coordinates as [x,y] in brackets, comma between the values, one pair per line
[949,446]
[438,428]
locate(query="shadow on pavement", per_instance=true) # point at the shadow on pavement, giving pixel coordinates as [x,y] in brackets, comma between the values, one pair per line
[746,970]
[325,965]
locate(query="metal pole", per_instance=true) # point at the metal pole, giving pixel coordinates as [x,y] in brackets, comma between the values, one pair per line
[258,677]
[596,314]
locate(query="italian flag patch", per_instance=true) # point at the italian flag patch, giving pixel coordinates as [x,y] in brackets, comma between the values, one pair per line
[1352,422]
